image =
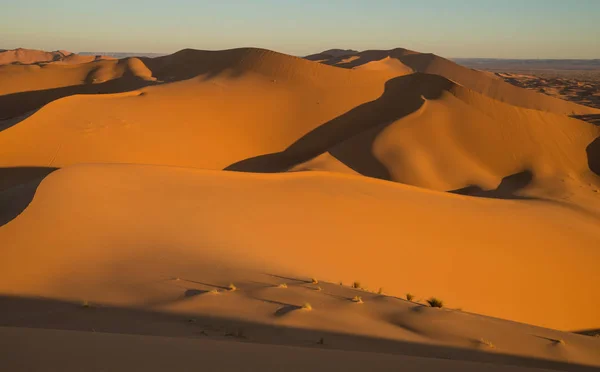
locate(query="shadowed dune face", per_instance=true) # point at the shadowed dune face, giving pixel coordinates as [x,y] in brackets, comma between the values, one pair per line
[402,96]
[17,188]
[593,155]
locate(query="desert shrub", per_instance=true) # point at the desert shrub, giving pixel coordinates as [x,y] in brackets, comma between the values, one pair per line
[434,302]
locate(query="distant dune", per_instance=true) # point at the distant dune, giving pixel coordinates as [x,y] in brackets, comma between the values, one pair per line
[30,56]
[143,187]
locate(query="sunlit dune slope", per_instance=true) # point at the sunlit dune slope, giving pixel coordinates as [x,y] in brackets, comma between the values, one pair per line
[513,259]
[475,80]
[261,111]
[243,103]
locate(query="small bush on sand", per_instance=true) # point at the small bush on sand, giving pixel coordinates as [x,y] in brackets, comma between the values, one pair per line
[410,296]
[314,281]
[356,285]
[318,289]
[380,291]
[282,285]
[231,287]
[214,291]
[357,299]
[434,302]
[85,304]
[306,306]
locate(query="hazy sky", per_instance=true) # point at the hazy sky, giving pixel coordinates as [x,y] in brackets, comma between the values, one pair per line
[451,28]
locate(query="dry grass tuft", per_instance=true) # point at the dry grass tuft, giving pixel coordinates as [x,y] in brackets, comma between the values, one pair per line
[318,289]
[306,306]
[356,285]
[85,304]
[214,291]
[282,285]
[380,291]
[435,302]
[487,343]
[410,296]
[314,281]
[231,287]
[357,299]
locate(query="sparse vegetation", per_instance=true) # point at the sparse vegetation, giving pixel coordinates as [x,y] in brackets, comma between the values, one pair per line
[85,304]
[231,287]
[314,281]
[380,291]
[410,296]
[306,306]
[558,341]
[486,343]
[356,285]
[357,299]
[435,302]
[318,289]
[214,291]
[282,285]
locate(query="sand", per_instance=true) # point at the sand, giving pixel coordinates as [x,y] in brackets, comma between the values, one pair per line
[395,169]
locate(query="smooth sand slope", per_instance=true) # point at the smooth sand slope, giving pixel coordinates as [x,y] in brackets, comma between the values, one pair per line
[152,224]
[198,231]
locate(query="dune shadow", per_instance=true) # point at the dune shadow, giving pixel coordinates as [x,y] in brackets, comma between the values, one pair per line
[288,278]
[589,332]
[194,292]
[282,311]
[593,156]
[17,189]
[7,123]
[590,118]
[507,189]
[15,106]
[340,137]
[45,313]
[207,284]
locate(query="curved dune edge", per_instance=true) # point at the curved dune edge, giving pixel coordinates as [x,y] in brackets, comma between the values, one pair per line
[303,223]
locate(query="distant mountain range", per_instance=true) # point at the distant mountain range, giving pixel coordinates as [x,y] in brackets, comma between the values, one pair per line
[122,54]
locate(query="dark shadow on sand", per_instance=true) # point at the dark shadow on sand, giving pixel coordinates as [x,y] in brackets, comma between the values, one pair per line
[53,314]
[17,188]
[593,156]
[507,189]
[402,96]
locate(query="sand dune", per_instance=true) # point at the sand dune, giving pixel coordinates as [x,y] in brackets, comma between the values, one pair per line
[197,230]
[22,56]
[141,216]
[478,81]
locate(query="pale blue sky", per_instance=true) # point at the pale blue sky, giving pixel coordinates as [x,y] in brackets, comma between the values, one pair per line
[451,28]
